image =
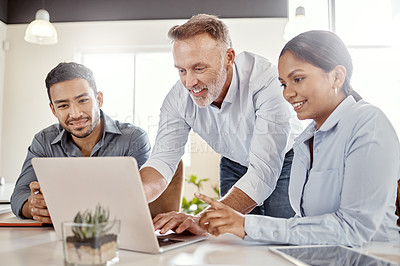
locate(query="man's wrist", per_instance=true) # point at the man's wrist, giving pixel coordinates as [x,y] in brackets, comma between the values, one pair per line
[26,212]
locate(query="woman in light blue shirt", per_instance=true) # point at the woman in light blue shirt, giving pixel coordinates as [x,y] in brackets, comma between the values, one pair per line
[346,164]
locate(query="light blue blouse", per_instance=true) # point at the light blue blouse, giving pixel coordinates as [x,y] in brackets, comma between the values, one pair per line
[348,195]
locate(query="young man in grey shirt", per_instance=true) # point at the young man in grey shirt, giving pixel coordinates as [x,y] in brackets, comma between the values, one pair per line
[83,130]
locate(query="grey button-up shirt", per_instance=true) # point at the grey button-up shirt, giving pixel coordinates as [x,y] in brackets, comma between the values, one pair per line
[119,139]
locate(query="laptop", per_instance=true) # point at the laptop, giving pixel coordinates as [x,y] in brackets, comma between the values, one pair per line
[76,184]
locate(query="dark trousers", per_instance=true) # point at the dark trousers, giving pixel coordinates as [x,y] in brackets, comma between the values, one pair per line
[277,204]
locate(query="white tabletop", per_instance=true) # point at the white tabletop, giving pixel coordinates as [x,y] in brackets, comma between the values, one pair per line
[39,246]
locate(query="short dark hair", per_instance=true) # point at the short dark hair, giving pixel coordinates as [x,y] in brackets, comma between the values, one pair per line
[69,71]
[325,50]
[199,24]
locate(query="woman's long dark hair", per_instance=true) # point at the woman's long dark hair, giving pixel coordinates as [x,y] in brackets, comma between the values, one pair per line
[325,50]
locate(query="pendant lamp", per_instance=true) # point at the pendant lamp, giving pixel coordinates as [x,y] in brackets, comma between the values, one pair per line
[297,25]
[41,31]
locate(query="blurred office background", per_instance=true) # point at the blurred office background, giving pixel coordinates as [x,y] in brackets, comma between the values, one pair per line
[125,43]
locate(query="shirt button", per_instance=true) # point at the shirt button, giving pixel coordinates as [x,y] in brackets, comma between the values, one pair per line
[275,234]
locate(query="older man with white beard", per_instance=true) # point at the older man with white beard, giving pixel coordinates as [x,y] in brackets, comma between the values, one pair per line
[235,104]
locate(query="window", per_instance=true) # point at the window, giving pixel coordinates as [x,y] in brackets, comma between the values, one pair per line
[370,29]
[365,22]
[114,75]
[134,86]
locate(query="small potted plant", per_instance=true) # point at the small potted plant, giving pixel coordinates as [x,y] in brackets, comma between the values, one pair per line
[91,239]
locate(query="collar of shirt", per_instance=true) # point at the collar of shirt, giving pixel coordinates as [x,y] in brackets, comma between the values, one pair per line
[332,120]
[109,127]
[337,114]
[232,90]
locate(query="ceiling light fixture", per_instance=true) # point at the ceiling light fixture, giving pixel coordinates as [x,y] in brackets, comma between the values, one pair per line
[41,31]
[297,25]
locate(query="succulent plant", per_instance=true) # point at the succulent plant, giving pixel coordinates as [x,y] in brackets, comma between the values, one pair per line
[99,220]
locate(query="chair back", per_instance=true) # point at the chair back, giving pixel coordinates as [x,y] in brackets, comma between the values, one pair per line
[171,198]
[398,202]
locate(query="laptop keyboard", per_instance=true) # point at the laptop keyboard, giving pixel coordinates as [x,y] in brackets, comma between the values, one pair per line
[163,241]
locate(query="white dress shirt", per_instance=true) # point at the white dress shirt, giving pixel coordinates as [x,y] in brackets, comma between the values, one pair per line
[255,126]
[348,195]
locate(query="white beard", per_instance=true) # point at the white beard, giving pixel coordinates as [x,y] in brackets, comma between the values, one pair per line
[214,88]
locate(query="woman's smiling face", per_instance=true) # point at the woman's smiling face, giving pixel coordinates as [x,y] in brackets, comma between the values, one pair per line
[313,93]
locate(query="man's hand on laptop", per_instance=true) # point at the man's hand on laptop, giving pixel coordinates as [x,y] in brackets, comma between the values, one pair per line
[178,222]
[35,207]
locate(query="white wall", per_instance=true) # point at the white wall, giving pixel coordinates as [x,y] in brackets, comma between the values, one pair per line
[3,39]
[25,102]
